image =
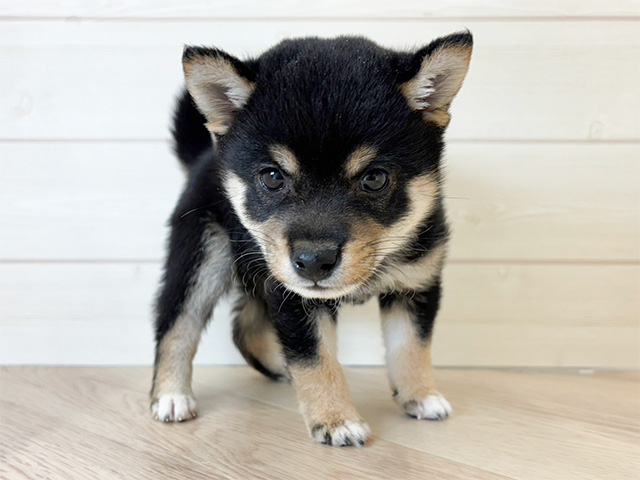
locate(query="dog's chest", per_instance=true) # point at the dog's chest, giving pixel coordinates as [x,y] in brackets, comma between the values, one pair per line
[413,276]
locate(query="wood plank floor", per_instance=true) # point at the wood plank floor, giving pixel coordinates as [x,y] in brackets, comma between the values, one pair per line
[93,423]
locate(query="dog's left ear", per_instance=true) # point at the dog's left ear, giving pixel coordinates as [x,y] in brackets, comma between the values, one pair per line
[219,84]
[439,68]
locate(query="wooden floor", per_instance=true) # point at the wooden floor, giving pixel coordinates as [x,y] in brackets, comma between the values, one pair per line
[93,423]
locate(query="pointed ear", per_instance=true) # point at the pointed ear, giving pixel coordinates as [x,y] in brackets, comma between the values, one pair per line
[439,70]
[219,84]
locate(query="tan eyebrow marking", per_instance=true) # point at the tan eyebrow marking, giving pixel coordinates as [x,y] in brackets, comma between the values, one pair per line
[284,158]
[359,159]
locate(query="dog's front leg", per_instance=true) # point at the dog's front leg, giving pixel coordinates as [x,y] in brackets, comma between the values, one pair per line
[308,336]
[407,322]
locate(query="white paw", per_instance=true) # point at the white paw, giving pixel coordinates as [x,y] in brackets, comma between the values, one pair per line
[175,407]
[343,435]
[434,407]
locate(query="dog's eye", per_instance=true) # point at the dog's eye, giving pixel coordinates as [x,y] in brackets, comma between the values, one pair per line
[272,179]
[375,180]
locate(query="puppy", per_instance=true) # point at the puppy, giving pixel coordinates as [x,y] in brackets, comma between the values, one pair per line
[314,180]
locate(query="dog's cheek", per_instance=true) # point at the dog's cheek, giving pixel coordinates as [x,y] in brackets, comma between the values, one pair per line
[423,192]
[278,252]
[359,254]
[269,234]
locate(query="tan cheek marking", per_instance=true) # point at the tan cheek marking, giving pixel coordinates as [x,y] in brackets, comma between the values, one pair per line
[359,254]
[371,242]
[270,234]
[285,159]
[423,192]
[322,387]
[275,229]
[278,254]
[358,160]
[408,358]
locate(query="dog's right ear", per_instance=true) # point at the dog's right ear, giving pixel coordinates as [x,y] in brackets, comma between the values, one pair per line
[438,71]
[219,84]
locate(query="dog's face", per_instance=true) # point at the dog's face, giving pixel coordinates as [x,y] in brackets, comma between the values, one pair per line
[330,150]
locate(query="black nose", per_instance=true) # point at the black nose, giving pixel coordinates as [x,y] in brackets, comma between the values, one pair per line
[314,263]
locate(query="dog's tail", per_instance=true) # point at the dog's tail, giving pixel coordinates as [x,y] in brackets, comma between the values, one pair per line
[190,136]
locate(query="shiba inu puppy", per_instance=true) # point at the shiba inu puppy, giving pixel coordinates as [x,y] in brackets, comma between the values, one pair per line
[314,179]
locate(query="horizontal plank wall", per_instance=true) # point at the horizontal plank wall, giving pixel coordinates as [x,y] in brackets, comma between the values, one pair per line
[493,314]
[528,80]
[543,174]
[508,201]
[361,9]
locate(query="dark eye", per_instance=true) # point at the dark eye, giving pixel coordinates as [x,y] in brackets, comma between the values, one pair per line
[375,180]
[272,179]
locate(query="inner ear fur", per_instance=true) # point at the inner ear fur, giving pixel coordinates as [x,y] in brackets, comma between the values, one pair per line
[219,84]
[441,68]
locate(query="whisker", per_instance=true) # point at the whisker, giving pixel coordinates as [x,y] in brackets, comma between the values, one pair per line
[208,205]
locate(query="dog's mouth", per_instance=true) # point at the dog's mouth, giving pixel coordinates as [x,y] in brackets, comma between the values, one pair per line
[316,291]
[320,291]
[344,282]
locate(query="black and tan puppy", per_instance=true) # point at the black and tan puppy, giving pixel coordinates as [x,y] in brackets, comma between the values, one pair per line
[314,180]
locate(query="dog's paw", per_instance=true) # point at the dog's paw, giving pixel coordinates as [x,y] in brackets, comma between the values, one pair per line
[176,407]
[343,434]
[433,407]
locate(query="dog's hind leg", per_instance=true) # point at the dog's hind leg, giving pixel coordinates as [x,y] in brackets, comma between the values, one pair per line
[197,273]
[255,336]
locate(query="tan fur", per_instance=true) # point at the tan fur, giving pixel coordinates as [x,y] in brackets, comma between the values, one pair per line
[173,370]
[368,246]
[264,346]
[417,275]
[437,83]
[359,254]
[371,243]
[270,235]
[359,160]
[321,387]
[218,90]
[175,361]
[423,192]
[254,334]
[408,358]
[285,159]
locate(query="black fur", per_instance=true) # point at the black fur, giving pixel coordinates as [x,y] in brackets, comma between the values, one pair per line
[321,99]
[331,96]
[434,231]
[422,306]
[189,143]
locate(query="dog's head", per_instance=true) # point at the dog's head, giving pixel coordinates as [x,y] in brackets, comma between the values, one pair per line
[330,149]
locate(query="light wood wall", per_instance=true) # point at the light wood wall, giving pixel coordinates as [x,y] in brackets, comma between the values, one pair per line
[543,173]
